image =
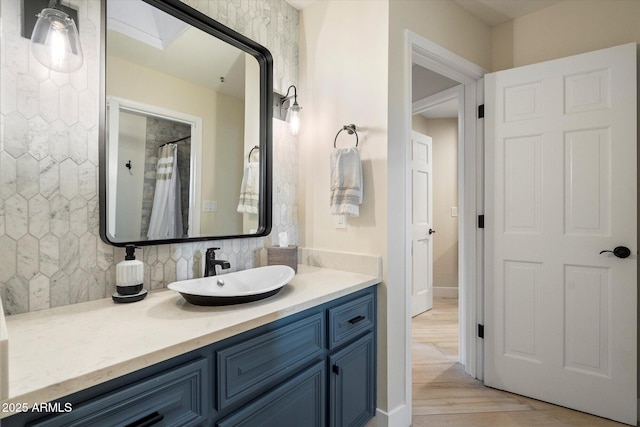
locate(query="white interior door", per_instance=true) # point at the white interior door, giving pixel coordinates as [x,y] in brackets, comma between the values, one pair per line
[422,223]
[560,317]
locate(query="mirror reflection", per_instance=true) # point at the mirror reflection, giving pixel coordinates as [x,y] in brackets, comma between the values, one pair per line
[182,130]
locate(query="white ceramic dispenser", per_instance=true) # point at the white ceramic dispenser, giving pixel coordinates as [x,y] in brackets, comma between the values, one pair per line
[129,278]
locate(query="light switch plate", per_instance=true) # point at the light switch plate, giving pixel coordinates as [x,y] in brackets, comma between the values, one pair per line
[341,221]
[209,205]
[454,211]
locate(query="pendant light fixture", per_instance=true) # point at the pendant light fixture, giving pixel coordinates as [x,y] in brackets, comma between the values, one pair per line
[55,41]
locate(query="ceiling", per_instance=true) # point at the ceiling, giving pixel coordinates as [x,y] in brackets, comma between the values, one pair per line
[492,12]
[496,12]
[427,83]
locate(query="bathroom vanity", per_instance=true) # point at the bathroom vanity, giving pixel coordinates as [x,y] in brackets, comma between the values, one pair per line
[305,356]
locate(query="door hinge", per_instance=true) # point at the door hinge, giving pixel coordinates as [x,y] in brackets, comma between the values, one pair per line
[336,369]
[480,221]
[481,111]
[480,331]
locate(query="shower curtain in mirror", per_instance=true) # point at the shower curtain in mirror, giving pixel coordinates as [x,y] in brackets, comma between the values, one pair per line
[166,213]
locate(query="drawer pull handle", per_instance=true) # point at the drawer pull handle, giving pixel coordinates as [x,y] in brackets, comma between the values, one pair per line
[147,421]
[357,319]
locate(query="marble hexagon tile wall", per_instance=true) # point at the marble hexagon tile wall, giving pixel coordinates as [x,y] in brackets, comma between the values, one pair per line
[50,250]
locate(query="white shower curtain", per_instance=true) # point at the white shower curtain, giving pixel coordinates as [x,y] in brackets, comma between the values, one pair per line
[166,213]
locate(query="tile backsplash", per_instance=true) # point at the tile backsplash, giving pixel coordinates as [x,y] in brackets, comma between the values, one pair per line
[50,250]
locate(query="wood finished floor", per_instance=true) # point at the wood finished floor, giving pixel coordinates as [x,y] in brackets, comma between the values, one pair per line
[443,395]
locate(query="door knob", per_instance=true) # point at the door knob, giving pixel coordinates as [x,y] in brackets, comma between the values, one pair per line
[619,251]
[431,231]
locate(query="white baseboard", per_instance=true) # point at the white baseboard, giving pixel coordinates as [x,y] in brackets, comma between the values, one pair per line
[399,417]
[445,292]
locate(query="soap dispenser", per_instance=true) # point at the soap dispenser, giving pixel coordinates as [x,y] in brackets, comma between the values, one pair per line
[129,278]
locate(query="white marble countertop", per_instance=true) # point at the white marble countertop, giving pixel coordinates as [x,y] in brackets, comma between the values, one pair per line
[56,352]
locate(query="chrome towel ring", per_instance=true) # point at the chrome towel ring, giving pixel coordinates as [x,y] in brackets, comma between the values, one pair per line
[251,152]
[351,130]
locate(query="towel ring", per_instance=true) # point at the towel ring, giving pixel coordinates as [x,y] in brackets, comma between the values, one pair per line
[251,152]
[351,130]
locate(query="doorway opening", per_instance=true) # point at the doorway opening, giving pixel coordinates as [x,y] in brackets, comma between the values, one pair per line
[467,78]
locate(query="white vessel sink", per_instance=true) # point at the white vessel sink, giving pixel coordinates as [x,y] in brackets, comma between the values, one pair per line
[235,288]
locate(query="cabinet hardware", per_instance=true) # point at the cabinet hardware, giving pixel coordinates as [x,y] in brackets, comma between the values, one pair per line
[357,319]
[336,369]
[148,420]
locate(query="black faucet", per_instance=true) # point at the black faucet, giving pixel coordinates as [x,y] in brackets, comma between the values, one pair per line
[210,262]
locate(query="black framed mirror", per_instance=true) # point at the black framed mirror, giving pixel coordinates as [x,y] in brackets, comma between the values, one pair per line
[185,127]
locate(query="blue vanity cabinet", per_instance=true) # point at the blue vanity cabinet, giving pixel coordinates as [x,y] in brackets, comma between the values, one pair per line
[315,368]
[352,384]
[349,378]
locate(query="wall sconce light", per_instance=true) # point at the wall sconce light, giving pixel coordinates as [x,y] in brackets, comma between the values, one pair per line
[55,42]
[290,113]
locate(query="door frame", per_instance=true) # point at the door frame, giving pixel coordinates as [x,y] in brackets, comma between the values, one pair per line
[115,105]
[423,52]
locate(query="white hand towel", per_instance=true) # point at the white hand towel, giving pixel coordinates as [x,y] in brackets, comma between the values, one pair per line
[250,189]
[346,182]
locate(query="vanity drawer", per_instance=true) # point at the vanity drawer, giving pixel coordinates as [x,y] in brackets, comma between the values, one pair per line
[253,366]
[348,320]
[298,402]
[176,398]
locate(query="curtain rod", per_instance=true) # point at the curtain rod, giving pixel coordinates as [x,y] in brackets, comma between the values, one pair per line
[173,142]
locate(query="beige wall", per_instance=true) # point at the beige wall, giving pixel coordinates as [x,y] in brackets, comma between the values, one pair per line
[222,167]
[343,79]
[444,134]
[567,28]
[339,87]
[447,24]
[182,96]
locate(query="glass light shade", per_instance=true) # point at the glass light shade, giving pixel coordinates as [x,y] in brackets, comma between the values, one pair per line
[55,41]
[294,118]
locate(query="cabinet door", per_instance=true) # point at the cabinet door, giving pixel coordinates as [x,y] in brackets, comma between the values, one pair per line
[298,402]
[352,384]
